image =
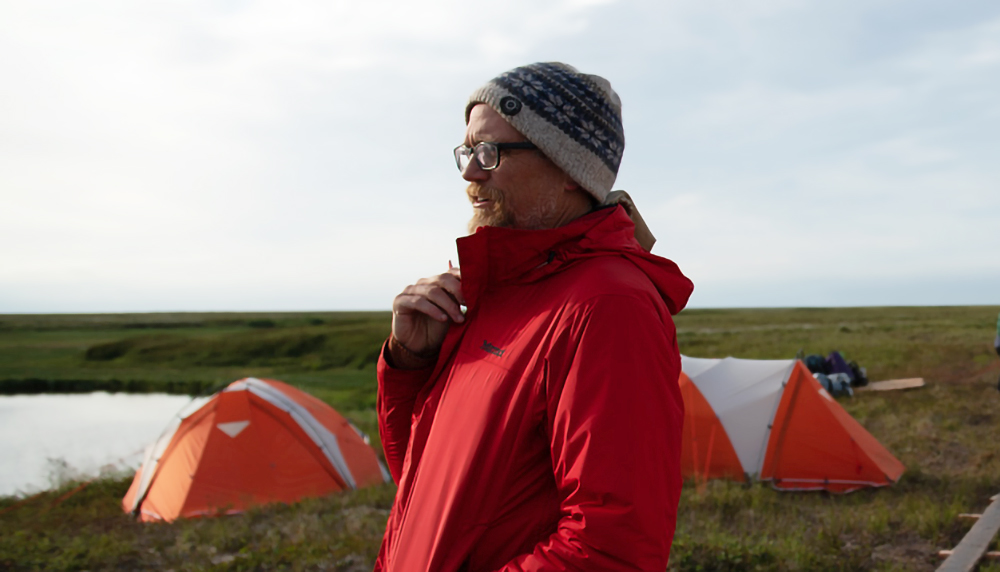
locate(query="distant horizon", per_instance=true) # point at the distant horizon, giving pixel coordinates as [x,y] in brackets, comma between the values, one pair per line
[384,310]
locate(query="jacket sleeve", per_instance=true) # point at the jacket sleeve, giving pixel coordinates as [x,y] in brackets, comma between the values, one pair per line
[615,416]
[397,393]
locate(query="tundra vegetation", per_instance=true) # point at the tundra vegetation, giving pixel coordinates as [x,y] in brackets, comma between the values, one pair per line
[945,433]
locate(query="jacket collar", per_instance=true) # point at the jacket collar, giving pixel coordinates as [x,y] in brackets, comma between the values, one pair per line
[494,256]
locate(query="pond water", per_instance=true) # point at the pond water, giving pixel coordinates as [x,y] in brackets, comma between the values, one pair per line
[48,439]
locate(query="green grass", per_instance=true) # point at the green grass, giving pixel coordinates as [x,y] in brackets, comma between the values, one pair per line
[332,354]
[88,531]
[946,435]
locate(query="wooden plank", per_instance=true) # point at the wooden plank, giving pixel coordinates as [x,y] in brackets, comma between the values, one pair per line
[976,541]
[992,555]
[892,384]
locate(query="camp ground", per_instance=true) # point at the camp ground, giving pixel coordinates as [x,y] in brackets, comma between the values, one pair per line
[255,442]
[771,420]
[945,434]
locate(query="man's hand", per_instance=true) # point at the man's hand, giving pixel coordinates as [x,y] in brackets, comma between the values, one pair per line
[421,315]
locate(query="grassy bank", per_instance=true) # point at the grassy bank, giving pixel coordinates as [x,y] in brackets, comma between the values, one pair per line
[330,354]
[88,531]
[945,434]
[151,351]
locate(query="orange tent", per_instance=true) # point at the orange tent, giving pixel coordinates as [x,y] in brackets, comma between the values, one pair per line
[257,441]
[771,420]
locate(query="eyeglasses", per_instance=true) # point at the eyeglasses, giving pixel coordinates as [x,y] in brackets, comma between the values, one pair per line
[486,154]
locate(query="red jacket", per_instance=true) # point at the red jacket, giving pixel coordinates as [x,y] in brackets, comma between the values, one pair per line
[547,436]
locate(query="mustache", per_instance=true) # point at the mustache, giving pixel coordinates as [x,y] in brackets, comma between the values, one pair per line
[495,214]
[477,190]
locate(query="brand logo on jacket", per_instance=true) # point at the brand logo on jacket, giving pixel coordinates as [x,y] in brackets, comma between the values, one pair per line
[492,349]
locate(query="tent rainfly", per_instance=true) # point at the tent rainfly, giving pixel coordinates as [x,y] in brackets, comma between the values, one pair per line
[771,420]
[257,441]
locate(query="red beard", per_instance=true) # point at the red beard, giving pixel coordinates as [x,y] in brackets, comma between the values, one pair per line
[494,213]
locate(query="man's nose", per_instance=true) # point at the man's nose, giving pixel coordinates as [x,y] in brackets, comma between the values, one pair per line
[473,172]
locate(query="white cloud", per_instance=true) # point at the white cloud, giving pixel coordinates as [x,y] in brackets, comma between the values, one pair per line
[159,156]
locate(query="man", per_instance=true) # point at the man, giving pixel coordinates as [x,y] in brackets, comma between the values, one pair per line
[540,428]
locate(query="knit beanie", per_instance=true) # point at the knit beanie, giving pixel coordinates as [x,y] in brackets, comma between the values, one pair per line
[574,118]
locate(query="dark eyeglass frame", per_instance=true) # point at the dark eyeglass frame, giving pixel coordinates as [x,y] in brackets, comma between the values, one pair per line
[471,153]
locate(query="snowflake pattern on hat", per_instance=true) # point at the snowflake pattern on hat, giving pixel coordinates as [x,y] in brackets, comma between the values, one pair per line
[578,108]
[572,117]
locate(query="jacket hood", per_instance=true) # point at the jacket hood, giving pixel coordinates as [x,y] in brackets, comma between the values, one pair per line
[496,255]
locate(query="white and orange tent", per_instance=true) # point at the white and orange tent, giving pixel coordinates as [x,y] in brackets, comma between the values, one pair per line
[771,420]
[257,441]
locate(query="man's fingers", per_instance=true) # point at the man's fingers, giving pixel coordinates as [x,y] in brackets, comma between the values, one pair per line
[408,304]
[449,281]
[433,301]
[443,299]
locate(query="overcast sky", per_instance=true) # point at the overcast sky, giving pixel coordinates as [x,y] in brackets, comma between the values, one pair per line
[296,155]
